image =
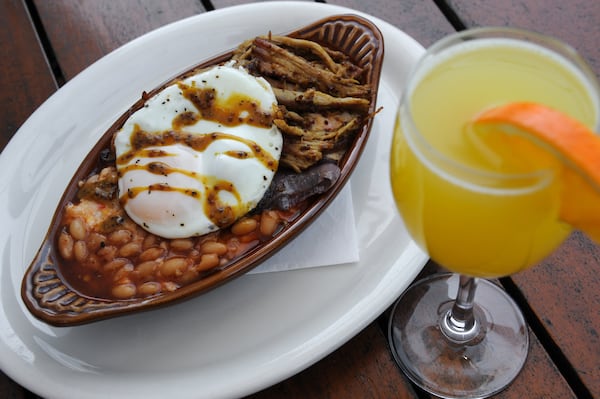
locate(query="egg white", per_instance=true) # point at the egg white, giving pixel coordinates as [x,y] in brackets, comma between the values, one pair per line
[175,213]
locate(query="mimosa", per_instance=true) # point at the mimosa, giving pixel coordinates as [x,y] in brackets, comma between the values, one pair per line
[490,223]
[482,175]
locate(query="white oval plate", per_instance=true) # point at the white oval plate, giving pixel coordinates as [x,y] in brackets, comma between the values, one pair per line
[242,337]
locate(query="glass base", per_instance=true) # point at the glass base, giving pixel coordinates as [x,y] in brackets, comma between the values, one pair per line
[478,368]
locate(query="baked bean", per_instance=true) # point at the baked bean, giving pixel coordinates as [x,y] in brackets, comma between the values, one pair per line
[95,241]
[115,264]
[188,276]
[139,234]
[136,263]
[233,247]
[169,286]
[65,245]
[149,288]
[124,291]
[207,261]
[182,244]
[80,251]
[244,226]
[152,254]
[149,241]
[78,229]
[120,237]
[146,269]
[213,247]
[174,267]
[130,249]
[252,236]
[269,221]
[122,275]
[194,254]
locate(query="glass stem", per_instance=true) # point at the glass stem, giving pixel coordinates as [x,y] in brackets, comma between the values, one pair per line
[458,324]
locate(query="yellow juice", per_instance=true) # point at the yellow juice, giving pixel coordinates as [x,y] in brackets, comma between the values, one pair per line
[482,222]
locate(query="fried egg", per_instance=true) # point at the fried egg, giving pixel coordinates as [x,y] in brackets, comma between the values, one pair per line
[199,154]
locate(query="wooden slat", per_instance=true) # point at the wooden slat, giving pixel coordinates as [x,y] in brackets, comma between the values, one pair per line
[562,291]
[361,369]
[26,79]
[217,4]
[577,22]
[81,32]
[539,375]
[9,389]
[420,19]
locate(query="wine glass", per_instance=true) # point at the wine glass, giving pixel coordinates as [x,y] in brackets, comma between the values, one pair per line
[460,335]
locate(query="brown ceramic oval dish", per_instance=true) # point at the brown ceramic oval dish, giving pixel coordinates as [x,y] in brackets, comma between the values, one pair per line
[51,299]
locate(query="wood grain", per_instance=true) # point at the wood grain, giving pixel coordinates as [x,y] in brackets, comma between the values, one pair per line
[420,19]
[539,375]
[576,22]
[81,32]
[563,292]
[26,79]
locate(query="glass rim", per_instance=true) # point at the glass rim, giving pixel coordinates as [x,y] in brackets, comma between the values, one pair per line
[434,157]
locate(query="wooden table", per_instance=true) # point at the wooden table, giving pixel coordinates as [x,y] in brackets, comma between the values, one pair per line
[46,43]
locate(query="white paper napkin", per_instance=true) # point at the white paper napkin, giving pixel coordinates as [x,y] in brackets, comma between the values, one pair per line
[331,239]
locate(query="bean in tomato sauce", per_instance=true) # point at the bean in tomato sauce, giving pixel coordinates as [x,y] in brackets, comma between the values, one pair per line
[107,255]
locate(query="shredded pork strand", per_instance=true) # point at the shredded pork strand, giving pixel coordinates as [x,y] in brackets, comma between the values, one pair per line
[322,101]
[313,98]
[311,46]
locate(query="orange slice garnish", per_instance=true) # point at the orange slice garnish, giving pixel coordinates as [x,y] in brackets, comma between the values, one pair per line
[554,139]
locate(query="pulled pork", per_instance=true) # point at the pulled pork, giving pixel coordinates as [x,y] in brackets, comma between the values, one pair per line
[321,98]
